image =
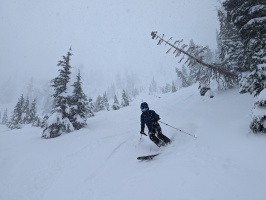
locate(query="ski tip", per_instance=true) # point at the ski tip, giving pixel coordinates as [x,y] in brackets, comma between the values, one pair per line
[149,157]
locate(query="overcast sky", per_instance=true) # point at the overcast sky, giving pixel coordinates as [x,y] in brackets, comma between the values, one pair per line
[107,35]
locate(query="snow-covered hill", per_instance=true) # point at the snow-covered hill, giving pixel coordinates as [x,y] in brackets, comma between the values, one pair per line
[225,162]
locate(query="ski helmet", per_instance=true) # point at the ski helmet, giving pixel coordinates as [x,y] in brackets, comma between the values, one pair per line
[144,106]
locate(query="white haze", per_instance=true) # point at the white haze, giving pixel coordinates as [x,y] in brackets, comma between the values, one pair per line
[107,37]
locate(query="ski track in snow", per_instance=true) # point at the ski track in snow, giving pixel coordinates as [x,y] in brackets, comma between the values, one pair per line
[99,162]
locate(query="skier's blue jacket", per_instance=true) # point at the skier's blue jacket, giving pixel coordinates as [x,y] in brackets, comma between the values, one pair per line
[150,118]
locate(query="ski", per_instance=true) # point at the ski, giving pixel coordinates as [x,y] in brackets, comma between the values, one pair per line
[149,157]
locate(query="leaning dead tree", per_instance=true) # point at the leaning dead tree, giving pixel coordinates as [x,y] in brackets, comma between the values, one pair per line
[192,55]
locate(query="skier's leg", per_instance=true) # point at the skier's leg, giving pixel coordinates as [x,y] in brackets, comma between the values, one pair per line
[161,136]
[155,139]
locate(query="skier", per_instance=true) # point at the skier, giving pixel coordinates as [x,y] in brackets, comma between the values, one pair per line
[151,118]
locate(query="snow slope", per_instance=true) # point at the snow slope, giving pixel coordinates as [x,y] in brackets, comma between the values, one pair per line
[99,162]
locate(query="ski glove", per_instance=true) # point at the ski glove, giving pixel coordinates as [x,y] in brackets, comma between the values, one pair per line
[143,133]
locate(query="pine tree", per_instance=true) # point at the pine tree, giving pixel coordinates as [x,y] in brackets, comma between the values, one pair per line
[258,122]
[79,105]
[230,49]
[59,121]
[116,105]
[174,89]
[249,18]
[16,118]
[105,101]
[91,108]
[32,111]
[99,104]
[5,118]
[125,99]
[26,112]
[167,88]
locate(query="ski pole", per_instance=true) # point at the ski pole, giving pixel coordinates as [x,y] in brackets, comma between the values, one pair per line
[178,129]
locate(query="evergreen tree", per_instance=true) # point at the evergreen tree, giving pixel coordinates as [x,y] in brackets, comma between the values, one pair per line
[16,118]
[79,105]
[5,118]
[91,108]
[116,105]
[125,99]
[59,121]
[168,88]
[258,122]
[105,102]
[0,116]
[26,112]
[173,89]
[99,104]
[37,122]
[32,111]
[249,18]
[230,49]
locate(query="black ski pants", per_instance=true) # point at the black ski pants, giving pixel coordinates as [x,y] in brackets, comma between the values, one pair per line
[157,136]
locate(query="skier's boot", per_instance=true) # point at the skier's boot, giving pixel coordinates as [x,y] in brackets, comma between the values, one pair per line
[158,142]
[165,139]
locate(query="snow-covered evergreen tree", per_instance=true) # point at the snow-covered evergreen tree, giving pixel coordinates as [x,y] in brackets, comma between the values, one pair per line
[5,118]
[258,122]
[125,99]
[105,101]
[79,105]
[249,18]
[116,105]
[26,112]
[59,121]
[173,88]
[16,120]
[32,111]
[37,122]
[91,108]
[99,104]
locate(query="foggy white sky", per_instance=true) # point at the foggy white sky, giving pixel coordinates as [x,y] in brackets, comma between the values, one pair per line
[105,35]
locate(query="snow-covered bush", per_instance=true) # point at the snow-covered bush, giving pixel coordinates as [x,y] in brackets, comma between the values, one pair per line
[55,125]
[258,118]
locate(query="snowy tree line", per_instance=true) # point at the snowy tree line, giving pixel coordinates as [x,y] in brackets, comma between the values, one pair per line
[241,53]
[71,106]
[23,113]
[242,46]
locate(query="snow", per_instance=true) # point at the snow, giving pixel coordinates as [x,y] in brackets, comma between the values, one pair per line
[256,8]
[99,162]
